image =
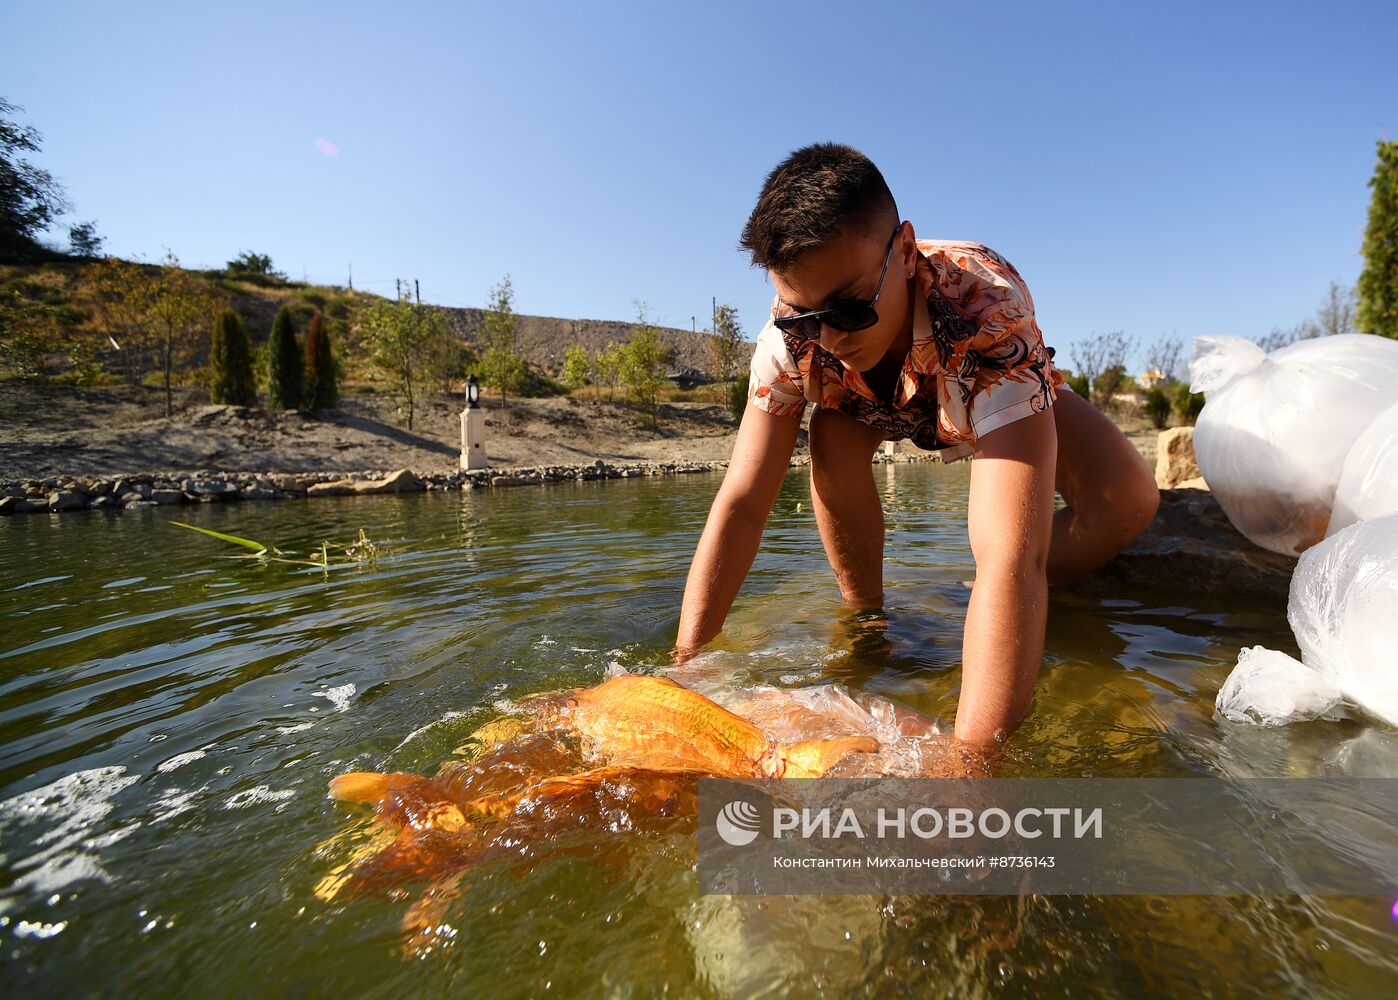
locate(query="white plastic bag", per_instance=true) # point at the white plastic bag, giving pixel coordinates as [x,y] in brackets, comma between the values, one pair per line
[1271,688]
[1276,428]
[1343,609]
[1369,480]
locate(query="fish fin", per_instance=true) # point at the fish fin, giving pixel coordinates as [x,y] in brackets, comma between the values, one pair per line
[812,758]
[555,789]
[361,786]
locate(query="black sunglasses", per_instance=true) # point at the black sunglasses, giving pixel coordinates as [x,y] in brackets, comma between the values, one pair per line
[845,315]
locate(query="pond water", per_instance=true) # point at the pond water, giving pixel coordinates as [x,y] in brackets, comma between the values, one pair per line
[170,716]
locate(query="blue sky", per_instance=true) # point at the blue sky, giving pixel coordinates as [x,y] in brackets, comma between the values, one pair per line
[1182,167]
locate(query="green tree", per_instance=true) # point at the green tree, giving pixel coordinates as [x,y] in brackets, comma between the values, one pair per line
[576,365]
[727,348]
[505,370]
[1108,383]
[321,392]
[640,363]
[1158,407]
[83,240]
[1378,282]
[405,343]
[738,398]
[254,265]
[284,364]
[24,329]
[230,362]
[30,198]
[502,364]
[609,366]
[1188,405]
[124,291]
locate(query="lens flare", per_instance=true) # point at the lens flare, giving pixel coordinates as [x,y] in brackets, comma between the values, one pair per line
[328,148]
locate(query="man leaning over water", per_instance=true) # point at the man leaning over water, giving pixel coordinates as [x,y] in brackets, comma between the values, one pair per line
[892,337]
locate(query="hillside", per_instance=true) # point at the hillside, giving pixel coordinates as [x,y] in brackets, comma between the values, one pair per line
[57,306]
[545,338]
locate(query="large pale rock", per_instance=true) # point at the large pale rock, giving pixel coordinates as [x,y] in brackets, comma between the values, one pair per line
[1174,458]
[402,481]
[1192,547]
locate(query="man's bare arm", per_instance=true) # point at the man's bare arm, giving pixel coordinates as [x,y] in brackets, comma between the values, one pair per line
[761,457]
[1010,520]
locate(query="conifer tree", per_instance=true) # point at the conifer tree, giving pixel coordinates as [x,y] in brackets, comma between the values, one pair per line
[1378,282]
[230,362]
[283,364]
[321,391]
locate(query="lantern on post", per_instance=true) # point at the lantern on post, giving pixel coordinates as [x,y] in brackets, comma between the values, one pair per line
[473,454]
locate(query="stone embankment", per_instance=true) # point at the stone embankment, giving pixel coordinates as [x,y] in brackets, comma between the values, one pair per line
[68,493]
[57,494]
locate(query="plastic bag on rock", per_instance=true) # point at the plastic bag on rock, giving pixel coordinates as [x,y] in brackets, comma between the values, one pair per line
[1275,429]
[1369,480]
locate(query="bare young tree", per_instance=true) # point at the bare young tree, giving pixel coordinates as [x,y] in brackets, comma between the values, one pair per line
[1101,359]
[1337,310]
[1335,316]
[1283,335]
[1164,357]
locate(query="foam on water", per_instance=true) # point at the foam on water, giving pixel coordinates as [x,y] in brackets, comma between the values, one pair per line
[66,812]
[179,760]
[255,796]
[340,697]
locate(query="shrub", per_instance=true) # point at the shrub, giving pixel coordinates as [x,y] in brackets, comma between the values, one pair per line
[738,398]
[230,362]
[1158,408]
[284,382]
[576,365]
[321,389]
[1188,404]
[1079,384]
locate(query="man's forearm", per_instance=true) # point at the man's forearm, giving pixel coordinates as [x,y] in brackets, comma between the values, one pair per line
[1002,650]
[721,562]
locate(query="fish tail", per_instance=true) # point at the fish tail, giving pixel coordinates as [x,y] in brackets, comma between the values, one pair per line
[812,758]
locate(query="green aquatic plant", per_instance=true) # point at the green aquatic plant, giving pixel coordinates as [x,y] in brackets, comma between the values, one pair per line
[362,551]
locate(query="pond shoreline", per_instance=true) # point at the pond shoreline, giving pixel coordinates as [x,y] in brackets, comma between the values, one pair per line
[60,494]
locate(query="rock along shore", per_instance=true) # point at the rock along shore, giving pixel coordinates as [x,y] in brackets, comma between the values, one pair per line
[58,494]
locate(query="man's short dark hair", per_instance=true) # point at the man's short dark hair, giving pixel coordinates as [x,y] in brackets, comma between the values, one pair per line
[814,194]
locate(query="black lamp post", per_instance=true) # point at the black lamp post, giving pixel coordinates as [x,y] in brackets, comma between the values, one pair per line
[473,393]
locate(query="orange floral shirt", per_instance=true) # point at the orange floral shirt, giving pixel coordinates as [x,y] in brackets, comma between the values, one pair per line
[977,362]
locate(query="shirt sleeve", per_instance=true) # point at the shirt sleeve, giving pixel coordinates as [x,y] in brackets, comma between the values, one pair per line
[1011,374]
[775,382]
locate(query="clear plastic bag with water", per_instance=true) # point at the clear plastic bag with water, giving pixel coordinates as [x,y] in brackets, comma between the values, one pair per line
[1343,610]
[1369,480]
[1276,428]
